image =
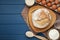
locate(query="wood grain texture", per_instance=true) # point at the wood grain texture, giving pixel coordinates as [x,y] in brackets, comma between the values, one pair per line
[11,8]
[24,14]
[13,37]
[11,19]
[12,2]
[12,25]
[17,29]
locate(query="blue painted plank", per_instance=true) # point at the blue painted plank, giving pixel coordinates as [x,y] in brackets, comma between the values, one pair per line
[11,19]
[33,38]
[13,37]
[11,8]
[16,37]
[13,29]
[12,1]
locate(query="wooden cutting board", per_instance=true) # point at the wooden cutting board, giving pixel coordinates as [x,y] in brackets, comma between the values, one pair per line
[25,16]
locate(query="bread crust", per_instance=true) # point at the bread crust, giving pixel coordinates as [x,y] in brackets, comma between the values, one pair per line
[53,19]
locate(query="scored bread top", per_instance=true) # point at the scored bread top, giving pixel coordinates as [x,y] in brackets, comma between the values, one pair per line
[41,18]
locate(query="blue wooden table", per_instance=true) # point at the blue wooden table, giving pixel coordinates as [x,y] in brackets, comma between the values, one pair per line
[12,25]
